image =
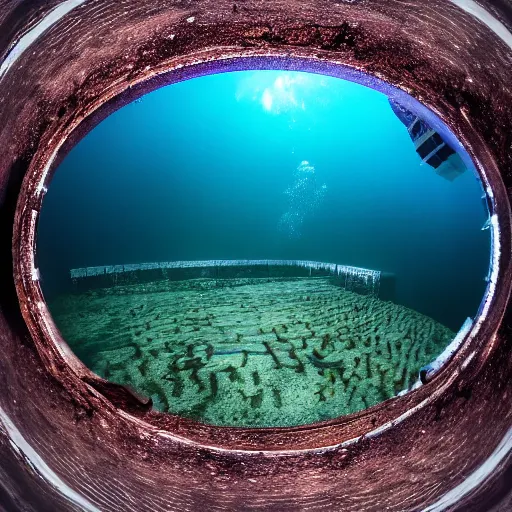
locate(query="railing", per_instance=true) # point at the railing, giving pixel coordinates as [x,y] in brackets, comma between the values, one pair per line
[362,280]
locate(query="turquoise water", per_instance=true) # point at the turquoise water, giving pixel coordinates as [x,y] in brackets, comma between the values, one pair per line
[267,165]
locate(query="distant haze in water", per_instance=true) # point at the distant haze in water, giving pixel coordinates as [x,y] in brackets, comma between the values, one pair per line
[209,169]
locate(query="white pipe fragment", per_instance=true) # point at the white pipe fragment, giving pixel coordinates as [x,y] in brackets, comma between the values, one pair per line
[428,372]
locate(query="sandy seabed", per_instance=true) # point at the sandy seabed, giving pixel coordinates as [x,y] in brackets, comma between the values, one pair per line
[250,352]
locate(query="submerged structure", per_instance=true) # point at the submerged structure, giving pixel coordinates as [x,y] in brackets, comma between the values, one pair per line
[360,280]
[250,343]
[429,144]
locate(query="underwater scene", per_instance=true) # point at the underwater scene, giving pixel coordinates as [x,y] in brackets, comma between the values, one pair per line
[263,248]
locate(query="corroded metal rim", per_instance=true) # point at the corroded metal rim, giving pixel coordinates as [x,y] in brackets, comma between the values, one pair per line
[421,444]
[367,423]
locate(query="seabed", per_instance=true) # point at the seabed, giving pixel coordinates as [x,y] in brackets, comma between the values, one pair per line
[250,352]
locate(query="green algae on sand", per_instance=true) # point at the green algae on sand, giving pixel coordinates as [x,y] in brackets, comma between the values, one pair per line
[250,352]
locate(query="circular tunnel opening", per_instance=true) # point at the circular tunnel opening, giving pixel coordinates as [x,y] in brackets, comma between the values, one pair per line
[265,248]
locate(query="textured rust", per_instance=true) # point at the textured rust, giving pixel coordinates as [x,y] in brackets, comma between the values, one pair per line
[100,440]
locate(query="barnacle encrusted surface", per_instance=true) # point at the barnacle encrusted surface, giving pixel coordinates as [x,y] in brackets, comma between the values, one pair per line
[250,352]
